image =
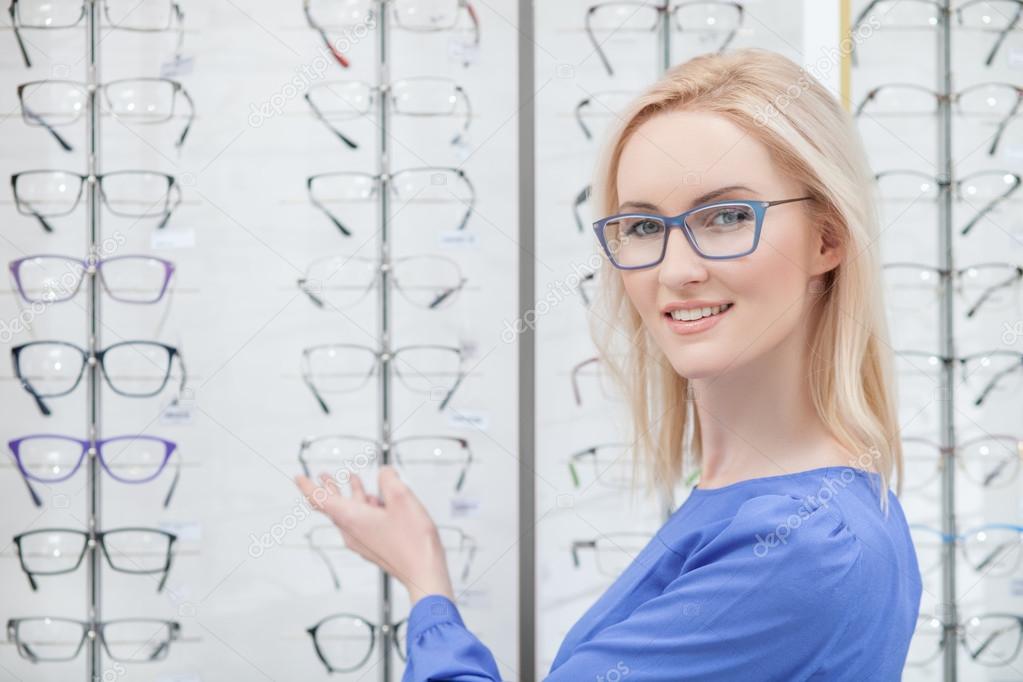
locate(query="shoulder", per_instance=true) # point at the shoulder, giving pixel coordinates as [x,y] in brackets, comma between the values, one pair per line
[788,543]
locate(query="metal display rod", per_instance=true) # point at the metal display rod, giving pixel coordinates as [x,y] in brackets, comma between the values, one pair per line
[949,610]
[92,37]
[384,169]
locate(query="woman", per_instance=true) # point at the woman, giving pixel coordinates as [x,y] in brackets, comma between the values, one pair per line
[752,343]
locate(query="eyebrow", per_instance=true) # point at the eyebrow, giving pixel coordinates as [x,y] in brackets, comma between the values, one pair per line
[702,199]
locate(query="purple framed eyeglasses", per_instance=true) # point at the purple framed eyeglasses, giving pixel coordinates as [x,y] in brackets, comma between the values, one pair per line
[51,458]
[48,278]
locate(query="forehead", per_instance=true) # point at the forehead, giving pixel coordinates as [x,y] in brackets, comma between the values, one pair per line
[676,155]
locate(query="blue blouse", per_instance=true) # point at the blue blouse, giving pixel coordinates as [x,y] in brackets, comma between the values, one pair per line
[792,577]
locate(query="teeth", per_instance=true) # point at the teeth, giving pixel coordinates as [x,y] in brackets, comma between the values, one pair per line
[697,313]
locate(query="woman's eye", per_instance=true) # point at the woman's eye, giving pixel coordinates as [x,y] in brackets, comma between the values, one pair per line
[730,216]
[645,228]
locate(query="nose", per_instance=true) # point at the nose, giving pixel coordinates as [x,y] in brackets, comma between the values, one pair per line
[681,264]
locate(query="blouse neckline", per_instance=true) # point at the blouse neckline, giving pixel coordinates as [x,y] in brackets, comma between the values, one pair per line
[763,479]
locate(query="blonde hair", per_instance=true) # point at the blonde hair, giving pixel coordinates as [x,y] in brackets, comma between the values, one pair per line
[812,140]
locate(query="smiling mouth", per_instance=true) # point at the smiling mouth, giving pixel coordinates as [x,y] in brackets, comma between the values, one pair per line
[697,313]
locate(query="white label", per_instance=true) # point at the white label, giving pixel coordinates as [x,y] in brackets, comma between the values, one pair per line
[179,65]
[463,51]
[474,420]
[1016,57]
[176,414]
[187,531]
[458,239]
[1014,152]
[462,507]
[177,238]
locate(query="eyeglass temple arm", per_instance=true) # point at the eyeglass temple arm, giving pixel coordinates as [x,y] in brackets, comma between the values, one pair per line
[17,34]
[994,381]
[338,56]
[468,116]
[326,560]
[38,216]
[596,45]
[349,142]
[312,197]
[580,199]
[472,200]
[39,119]
[1005,123]
[317,301]
[581,544]
[1003,35]
[170,560]
[579,117]
[191,118]
[989,207]
[446,294]
[174,483]
[458,382]
[36,500]
[316,394]
[992,289]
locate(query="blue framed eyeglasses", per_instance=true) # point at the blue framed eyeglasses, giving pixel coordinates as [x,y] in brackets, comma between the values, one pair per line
[721,230]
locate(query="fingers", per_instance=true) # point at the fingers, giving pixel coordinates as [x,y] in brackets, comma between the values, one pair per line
[391,484]
[330,484]
[358,490]
[309,489]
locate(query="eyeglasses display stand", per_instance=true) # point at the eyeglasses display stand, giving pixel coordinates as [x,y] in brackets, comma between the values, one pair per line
[946,337]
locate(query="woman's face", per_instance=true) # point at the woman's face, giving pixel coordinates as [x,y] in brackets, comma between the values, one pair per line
[676,161]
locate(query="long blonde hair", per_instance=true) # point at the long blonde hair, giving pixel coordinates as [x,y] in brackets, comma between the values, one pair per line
[813,140]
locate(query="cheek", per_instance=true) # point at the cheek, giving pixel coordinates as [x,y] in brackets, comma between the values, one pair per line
[641,288]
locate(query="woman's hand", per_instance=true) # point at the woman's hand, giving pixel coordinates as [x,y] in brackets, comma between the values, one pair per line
[393,531]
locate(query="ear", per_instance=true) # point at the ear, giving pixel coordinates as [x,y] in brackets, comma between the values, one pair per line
[829,252]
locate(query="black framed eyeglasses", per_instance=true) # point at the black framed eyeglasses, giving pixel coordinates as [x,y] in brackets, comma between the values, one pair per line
[55,551]
[433,186]
[128,640]
[420,97]
[51,104]
[999,102]
[611,464]
[916,287]
[142,16]
[710,20]
[984,371]
[48,193]
[612,552]
[344,642]
[137,369]
[721,230]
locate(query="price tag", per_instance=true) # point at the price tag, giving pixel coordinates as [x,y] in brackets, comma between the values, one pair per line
[177,238]
[179,65]
[473,420]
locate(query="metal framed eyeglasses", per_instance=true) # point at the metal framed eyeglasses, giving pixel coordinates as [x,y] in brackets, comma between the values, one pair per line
[710,20]
[143,16]
[425,281]
[344,367]
[719,231]
[424,97]
[128,640]
[424,186]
